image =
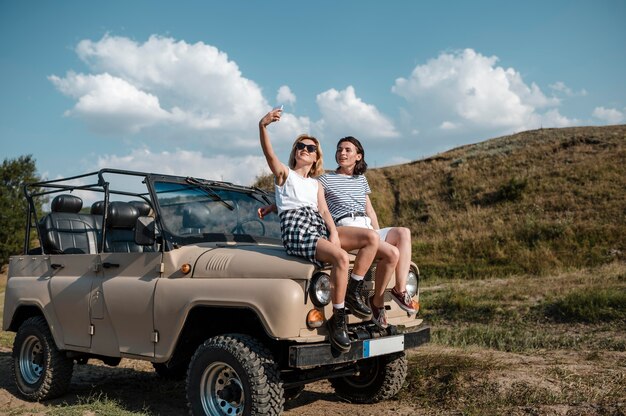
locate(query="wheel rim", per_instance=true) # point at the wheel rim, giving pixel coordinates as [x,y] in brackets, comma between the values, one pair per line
[221,390]
[367,375]
[31,359]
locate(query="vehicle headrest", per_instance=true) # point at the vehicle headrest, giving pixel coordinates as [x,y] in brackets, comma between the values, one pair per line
[97,208]
[196,215]
[122,215]
[142,207]
[66,203]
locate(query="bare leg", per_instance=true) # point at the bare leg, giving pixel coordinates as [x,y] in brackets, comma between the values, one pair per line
[388,259]
[400,237]
[362,239]
[330,253]
[336,324]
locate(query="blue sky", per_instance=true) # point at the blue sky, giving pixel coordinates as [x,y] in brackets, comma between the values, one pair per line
[179,87]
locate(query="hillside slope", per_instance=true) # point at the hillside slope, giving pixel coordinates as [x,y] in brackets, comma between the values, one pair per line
[533,202]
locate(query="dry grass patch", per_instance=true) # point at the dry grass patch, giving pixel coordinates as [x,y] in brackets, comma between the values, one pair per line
[479,382]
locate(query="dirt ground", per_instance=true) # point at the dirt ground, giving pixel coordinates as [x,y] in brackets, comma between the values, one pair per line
[136,387]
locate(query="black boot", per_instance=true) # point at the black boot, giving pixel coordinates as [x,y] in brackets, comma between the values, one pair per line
[338,331]
[354,300]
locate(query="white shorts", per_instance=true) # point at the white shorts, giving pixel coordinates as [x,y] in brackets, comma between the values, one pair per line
[363,222]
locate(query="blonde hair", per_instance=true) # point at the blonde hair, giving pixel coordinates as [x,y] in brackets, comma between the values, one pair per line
[318,166]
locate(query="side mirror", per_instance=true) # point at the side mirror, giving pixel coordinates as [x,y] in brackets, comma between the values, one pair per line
[145,231]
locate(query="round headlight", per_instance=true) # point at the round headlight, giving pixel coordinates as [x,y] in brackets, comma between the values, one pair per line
[412,283]
[319,291]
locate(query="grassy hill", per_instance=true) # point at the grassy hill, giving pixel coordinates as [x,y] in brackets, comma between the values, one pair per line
[533,202]
[530,203]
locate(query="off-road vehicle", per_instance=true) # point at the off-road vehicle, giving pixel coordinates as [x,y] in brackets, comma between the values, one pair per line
[179,271]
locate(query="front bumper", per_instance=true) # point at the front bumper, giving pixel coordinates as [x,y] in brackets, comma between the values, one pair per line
[313,355]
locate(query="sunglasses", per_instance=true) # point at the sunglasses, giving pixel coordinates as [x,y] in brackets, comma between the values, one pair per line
[309,147]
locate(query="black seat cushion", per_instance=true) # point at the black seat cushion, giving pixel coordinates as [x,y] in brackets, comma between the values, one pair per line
[65,230]
[195,219]
[142,206]
[120,235]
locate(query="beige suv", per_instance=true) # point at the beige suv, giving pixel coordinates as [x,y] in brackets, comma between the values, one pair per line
[180,272]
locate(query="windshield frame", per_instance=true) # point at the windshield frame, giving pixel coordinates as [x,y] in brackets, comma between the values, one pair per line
[213,190]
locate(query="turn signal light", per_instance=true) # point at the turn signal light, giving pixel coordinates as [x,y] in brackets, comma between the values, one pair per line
[315,318]
[416,305]
[185,268]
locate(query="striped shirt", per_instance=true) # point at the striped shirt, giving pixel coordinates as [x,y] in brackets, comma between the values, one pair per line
[344,194]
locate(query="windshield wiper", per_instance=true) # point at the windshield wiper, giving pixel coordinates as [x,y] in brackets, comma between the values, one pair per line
[206,188]
[263,194]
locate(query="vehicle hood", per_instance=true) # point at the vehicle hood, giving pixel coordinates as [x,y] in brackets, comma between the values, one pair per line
[251,261]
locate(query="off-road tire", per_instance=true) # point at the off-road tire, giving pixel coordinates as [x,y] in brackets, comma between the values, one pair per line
[40,370]
[381,378]
[236,367]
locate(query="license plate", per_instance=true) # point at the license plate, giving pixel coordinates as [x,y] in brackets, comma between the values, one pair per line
[382,346]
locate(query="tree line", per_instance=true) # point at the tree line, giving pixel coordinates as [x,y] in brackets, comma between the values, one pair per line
[13,206]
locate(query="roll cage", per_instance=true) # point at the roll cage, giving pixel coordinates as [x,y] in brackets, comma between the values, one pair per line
[100,182]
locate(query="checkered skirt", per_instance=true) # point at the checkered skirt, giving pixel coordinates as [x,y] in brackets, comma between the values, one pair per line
[300,229]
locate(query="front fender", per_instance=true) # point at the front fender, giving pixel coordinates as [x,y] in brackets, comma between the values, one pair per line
[280,304]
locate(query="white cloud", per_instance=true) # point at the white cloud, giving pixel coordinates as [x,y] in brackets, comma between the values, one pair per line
[109,104]
[343,113]
[609,115]
[560,86]
[240,170]
[553,118]
[465,88]
[161,82]
[447,125]
[173,91]
[285,96]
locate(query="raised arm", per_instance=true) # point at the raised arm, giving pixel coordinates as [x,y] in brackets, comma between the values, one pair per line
[276,166]
[369,210]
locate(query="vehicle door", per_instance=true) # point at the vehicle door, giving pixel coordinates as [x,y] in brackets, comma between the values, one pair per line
[122,303]
[71,277]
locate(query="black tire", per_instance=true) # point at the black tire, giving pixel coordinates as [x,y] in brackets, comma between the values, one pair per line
[40,370]
[234,375]
[380,378]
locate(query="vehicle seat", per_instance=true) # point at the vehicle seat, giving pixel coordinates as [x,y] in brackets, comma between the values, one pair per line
[143,207]
[120,235]
[65,230]
[195,219]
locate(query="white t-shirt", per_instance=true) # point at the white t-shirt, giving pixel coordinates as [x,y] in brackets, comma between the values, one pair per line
[296,192]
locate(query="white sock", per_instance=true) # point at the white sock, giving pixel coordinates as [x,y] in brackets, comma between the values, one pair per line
[357,277]
[339,305]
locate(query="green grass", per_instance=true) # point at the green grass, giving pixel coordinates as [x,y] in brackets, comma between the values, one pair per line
[577,310]
[93,405]
[517,337]
[589,306]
